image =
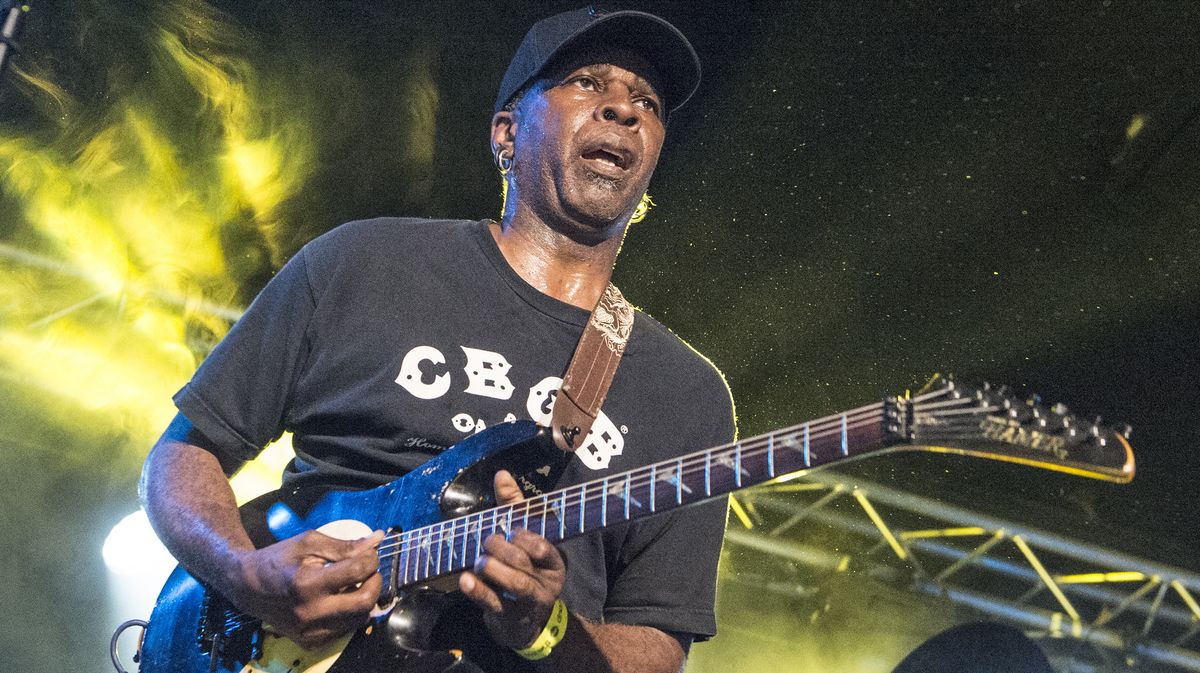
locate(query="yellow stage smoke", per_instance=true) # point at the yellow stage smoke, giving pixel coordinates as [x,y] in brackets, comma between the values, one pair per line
[115,279]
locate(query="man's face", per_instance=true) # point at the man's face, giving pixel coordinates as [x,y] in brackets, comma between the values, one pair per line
[586,140]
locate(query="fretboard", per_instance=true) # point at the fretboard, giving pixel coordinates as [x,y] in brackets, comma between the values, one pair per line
[453,545]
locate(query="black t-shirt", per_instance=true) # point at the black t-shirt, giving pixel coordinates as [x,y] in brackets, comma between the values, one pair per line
[385,341]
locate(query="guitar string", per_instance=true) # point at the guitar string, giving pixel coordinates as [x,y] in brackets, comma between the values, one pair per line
[543,505]
[530,511]
[533,509]
[692,464]
[450,531]
[815,432]
[238,618]
[430,539]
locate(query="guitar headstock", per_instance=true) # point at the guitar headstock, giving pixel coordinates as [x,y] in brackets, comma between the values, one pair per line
[994,422]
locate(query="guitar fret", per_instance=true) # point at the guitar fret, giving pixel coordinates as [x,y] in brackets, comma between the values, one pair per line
[807,453]
[627,496]
[428,555]
[437,568]
[562,515]
[466,535]
[845,438]
[403,557]
[771,455]
[479,536]
[653,479]
[737,462]
[416,558]
[545,507]
[707,473]
[604,505]
[582,506]
[415,554]
[679,482]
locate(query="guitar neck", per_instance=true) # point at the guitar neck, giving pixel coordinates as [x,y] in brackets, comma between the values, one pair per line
[450,546]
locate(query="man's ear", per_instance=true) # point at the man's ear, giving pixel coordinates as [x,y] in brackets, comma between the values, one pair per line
[504,130]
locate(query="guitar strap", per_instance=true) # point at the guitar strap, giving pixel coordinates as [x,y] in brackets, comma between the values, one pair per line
[591,371]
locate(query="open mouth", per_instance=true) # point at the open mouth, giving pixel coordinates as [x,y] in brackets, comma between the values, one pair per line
[608,156]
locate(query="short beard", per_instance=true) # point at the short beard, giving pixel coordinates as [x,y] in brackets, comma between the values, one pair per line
[606,183]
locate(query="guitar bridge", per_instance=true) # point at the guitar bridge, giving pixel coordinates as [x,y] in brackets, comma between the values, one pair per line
[227,633]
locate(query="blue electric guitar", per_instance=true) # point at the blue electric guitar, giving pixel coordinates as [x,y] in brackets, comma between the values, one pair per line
[437,517]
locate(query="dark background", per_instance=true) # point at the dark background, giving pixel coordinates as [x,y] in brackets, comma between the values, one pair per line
[859,196]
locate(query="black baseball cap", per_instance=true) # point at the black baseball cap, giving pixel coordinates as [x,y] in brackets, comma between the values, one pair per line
[654,38]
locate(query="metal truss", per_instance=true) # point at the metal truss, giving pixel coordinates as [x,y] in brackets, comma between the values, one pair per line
[1137,611]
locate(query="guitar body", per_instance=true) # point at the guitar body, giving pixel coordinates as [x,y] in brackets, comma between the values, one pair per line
[189,624]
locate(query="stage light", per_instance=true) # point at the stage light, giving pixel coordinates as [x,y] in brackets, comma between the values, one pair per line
[132,548]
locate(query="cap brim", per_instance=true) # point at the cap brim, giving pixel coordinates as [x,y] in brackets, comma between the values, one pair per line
[657,41]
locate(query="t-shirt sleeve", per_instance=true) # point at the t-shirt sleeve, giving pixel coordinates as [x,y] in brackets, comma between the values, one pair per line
[668,564]
[238,397]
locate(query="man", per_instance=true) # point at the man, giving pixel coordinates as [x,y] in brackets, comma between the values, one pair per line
[385,341]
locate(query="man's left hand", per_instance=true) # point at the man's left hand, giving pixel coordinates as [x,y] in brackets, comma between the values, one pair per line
[517,579]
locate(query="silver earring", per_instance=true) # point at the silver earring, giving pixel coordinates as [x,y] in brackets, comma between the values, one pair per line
[503,160]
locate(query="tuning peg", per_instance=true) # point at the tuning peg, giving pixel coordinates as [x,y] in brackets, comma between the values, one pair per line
[1127,431]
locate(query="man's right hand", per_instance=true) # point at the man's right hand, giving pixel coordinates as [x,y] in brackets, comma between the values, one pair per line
[311,588]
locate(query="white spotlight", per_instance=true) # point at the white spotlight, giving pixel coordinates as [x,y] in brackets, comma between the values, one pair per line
[132,548]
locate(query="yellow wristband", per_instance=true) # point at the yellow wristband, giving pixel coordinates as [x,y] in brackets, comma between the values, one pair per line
[556,628]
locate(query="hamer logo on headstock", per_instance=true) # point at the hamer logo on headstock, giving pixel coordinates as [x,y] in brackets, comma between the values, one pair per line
[1009,431]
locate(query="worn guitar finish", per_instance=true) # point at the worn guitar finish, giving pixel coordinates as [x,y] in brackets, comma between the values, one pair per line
[438,516]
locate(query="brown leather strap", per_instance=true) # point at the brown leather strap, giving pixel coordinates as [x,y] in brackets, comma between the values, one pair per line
[591,370]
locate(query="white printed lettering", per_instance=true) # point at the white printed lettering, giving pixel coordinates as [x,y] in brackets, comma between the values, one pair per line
[467,423]
[540,402]
[487,374]
[410,377]
[603,442]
